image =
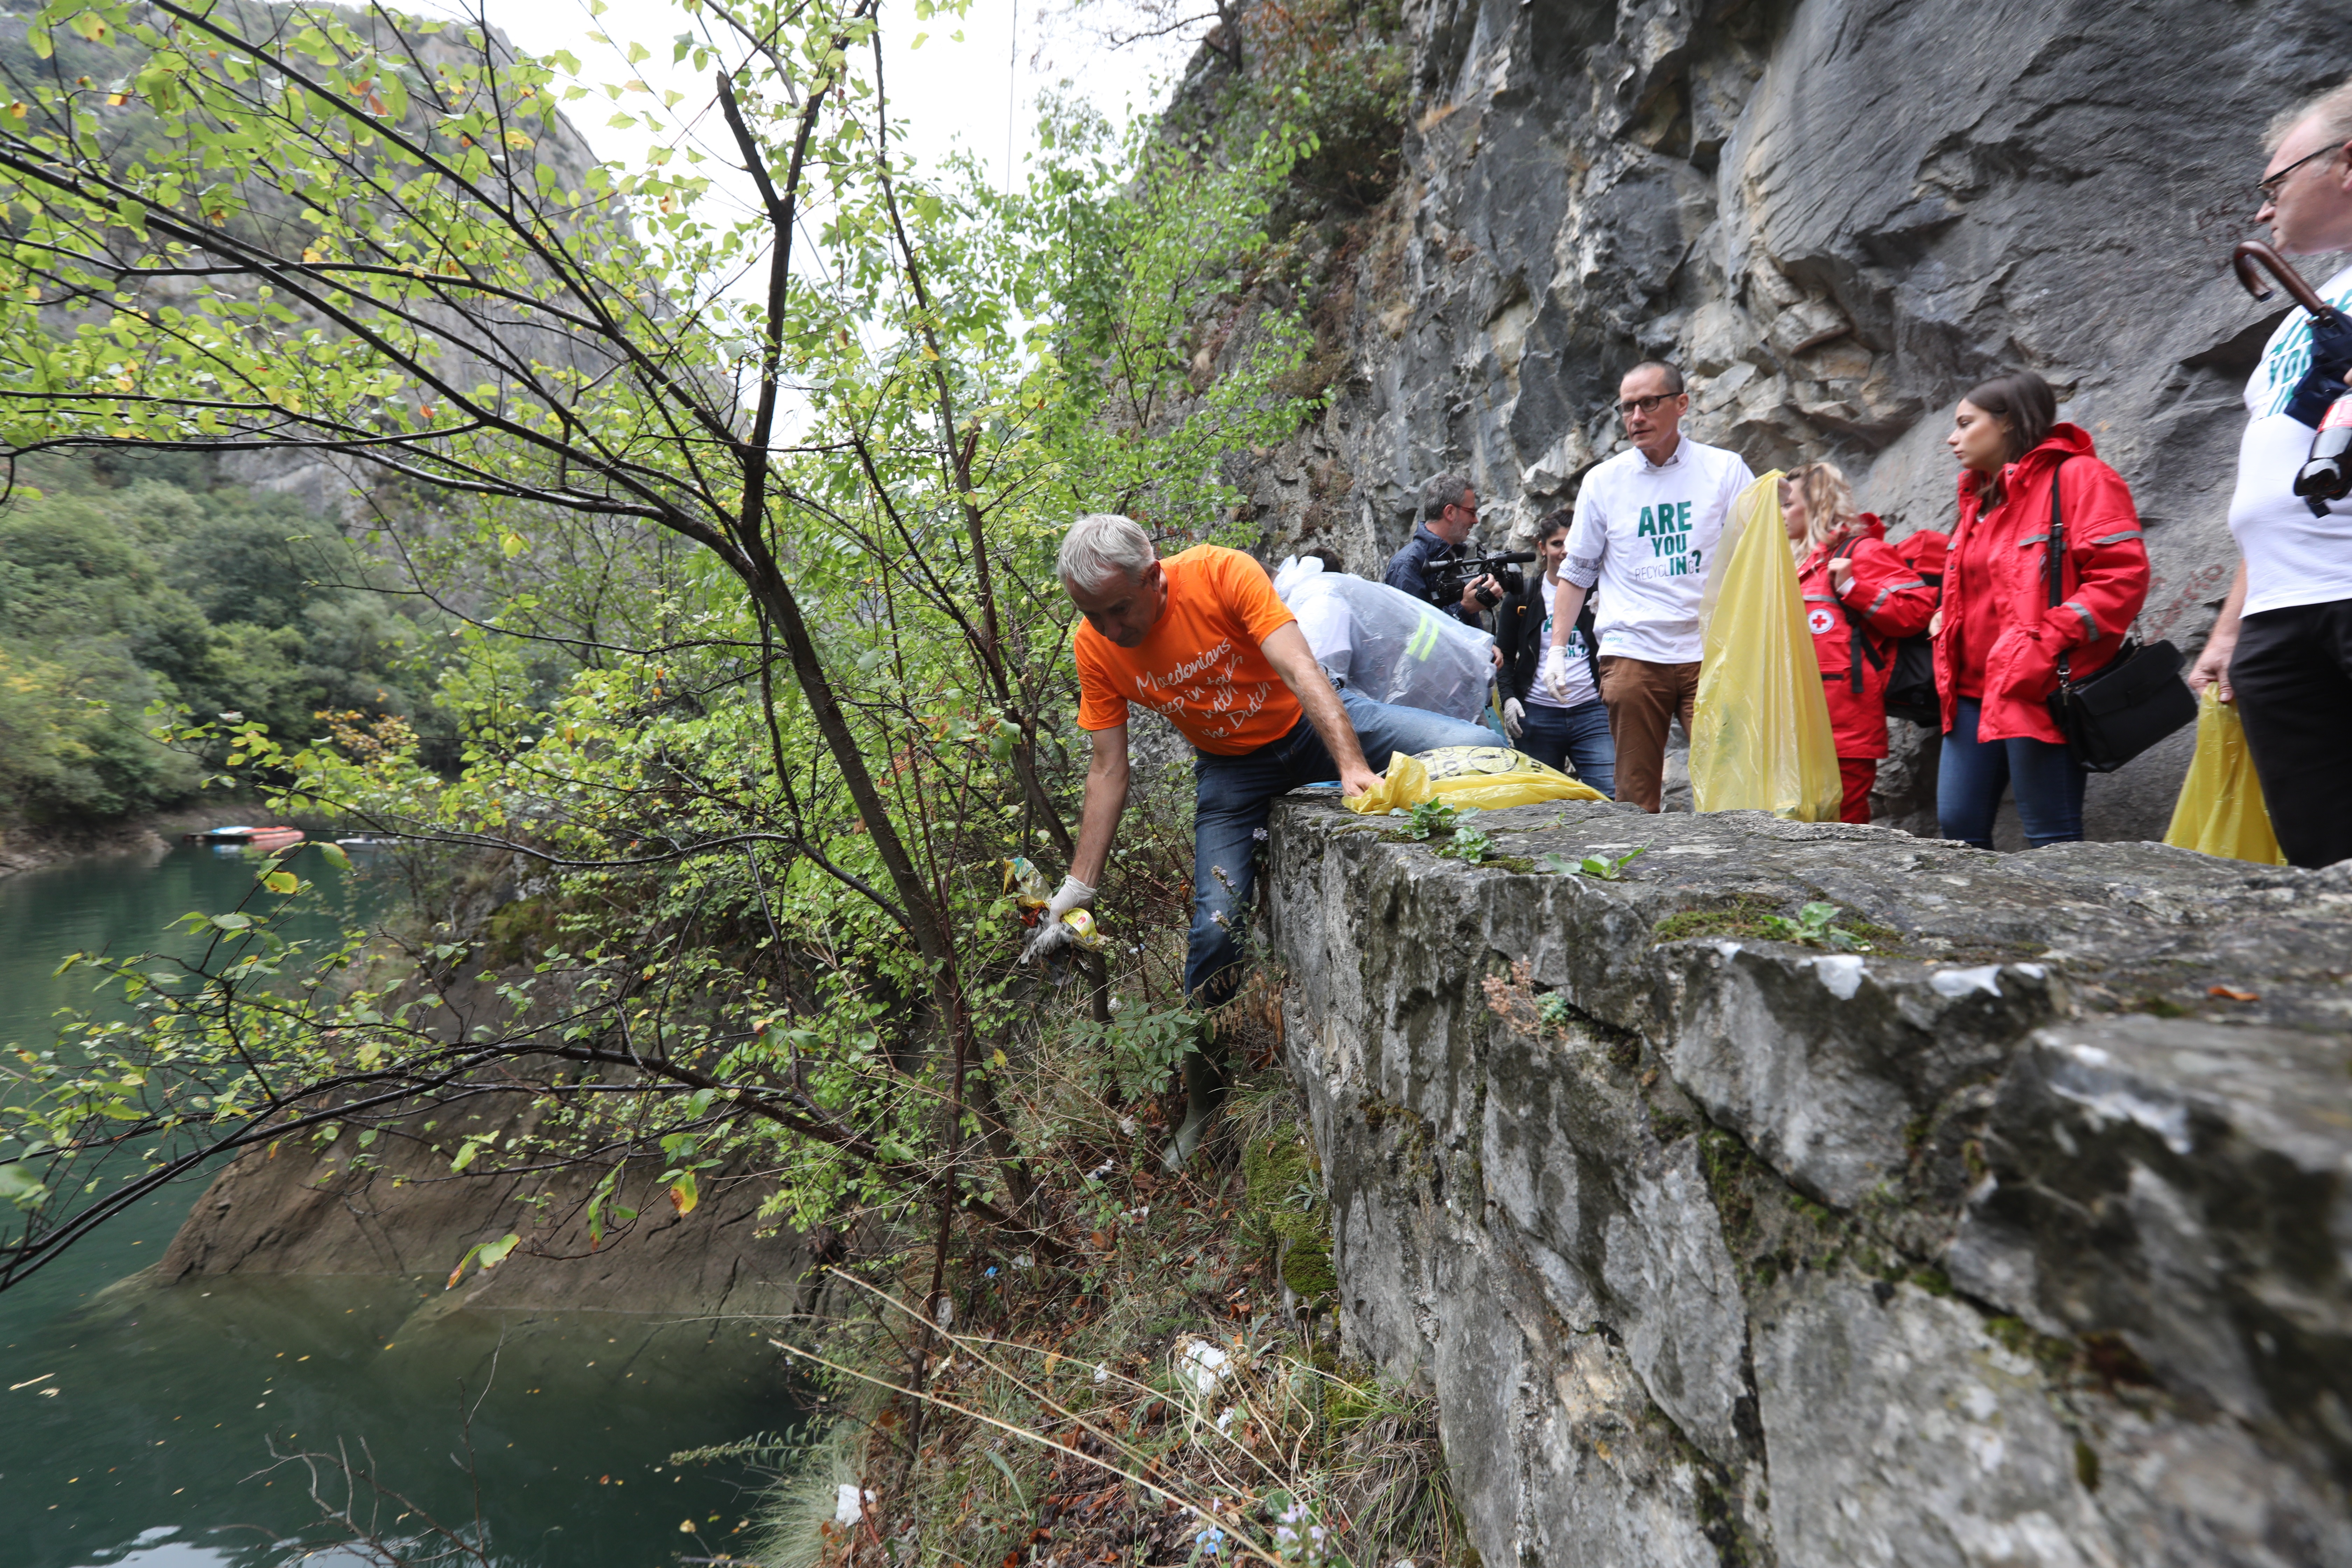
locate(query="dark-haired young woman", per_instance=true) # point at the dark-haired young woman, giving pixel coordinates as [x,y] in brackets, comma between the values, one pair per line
[1997,636]
[1566,728]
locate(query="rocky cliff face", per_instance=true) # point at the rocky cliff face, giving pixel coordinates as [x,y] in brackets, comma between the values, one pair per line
[2022,1236]
[1838,215]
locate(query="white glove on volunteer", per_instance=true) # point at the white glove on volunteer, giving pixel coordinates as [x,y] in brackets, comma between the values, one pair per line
[1051,935]
[1515,717]
[1555,670]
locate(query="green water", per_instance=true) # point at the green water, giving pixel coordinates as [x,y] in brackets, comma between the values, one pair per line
[143,1433]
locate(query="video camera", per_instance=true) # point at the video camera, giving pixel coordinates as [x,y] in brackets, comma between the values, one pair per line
[2327,474]
[1448,579]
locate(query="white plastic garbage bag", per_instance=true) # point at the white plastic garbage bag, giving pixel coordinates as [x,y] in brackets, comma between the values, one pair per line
[1384,643]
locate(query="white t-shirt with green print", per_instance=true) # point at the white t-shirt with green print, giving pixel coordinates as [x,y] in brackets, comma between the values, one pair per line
[1643,532]
[2293,557]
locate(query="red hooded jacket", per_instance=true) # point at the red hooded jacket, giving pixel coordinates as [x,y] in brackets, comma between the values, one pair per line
[2102,585]
[1891,599]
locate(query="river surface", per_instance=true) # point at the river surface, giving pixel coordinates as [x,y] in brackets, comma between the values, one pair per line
[138,1422]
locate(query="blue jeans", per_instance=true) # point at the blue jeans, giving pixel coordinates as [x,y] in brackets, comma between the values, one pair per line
[1382,728]
[1972,774]
[1231,798]
[1557,737]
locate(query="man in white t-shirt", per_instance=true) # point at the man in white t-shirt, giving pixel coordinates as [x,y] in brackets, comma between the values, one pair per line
[2281,650]
[1646,522]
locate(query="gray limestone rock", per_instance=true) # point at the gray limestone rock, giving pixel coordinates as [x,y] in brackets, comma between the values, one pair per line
[2188,1187]
[1719,1246]
[1904,1435]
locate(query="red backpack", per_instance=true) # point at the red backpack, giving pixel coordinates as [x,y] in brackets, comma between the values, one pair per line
[1911,688]
[1924,553]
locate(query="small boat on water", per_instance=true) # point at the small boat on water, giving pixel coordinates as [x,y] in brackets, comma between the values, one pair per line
[264,838]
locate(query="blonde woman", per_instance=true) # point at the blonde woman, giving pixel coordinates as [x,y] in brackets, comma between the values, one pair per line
[1861,598]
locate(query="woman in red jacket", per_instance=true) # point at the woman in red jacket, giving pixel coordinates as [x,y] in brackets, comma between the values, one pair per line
[1998,638]
[1860,597]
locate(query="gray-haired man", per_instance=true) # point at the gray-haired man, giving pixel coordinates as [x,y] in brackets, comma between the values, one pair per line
[2281,650]
[1201,638]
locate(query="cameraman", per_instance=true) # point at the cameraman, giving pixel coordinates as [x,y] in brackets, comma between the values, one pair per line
[2281,650]
[1449,511]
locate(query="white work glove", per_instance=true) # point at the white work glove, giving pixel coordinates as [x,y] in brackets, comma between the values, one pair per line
[1555,670]
[1051,935]
[1515,717]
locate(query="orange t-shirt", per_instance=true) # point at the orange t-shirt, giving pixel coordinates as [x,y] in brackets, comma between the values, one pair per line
[1200,664]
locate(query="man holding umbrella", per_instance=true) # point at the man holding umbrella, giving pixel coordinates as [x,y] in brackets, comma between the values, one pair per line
[2283,647]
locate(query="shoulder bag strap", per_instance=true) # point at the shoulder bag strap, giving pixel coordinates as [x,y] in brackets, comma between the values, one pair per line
[2057,556]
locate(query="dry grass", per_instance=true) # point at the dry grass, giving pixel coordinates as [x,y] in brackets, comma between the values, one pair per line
[1080,1413]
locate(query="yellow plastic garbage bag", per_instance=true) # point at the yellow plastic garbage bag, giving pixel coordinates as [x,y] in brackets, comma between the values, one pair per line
[2221,810]
[1761,734]
[1480,778]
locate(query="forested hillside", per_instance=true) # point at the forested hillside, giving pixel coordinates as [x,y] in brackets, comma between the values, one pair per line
[132,583]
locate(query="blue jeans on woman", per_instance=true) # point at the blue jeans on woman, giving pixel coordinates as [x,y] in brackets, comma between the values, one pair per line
[1231,798]
[1972,774]
[1557,737]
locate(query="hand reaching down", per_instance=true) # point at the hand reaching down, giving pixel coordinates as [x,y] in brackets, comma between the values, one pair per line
[1051,935]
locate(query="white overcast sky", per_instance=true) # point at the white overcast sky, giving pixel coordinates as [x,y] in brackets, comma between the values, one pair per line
[968,81]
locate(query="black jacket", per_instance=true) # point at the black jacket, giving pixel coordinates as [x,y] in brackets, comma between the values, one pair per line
[1414,568]
[1518,631]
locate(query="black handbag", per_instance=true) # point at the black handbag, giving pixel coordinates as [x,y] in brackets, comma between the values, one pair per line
[2134,701]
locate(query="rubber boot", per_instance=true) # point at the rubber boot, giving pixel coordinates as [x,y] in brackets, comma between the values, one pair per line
[1204,1090]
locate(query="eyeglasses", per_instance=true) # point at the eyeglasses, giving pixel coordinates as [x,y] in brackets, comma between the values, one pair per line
[2266,189]
[1633,405]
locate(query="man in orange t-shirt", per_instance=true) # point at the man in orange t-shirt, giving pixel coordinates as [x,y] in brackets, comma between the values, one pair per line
[1201,639]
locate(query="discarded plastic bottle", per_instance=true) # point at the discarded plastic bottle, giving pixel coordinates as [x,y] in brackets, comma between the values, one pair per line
[2327,473]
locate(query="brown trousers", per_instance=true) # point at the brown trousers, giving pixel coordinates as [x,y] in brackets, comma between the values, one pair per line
[1643,700]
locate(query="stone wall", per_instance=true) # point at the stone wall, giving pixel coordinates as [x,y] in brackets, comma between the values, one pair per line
[1838,215]
[2022,1236]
